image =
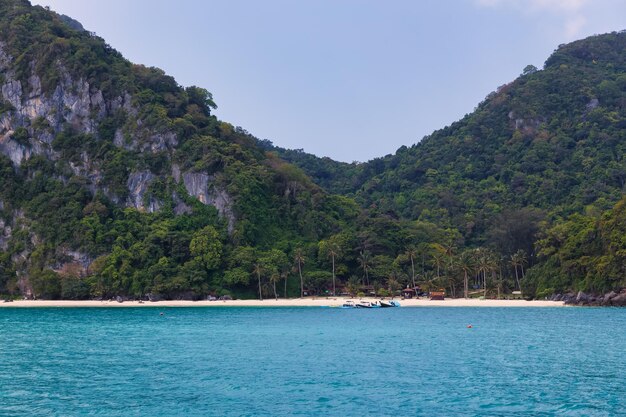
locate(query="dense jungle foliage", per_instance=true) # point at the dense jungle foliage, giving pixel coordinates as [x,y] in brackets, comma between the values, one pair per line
[537,152]
[524,193]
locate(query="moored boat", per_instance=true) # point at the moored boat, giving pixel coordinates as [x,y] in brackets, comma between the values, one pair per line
[389,303]
[349,304]
[367,304]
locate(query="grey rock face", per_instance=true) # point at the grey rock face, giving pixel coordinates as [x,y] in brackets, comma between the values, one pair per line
[176,172]
[593,103]
[581,299]
[118,139]
[81,258]
[138,183]
[181,207]
[74,102]
[199,185]
[619,300]
[16,152]
[160,142]
[79,262]
[12,92]
[5,234]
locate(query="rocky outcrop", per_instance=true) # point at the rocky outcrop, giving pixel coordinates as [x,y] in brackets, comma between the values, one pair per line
[202,186]
[525,125]
[13,150]
[180,206]
[593,103]
[5,234]
[138,183]
[610,299]
[75,103]
[72,263]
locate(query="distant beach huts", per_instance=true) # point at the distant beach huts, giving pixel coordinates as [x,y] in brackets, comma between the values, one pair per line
[409,293]
[437,295]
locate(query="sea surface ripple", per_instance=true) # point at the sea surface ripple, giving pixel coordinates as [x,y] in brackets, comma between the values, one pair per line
[312,361]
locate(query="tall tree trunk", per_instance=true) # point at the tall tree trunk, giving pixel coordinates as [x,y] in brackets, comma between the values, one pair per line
[465,284]
[301,280]
[258,274]
[412,271]
[500,281]
[517,278]
[286,276]
[485,283]
[494,277]
[275,293]
[334,291]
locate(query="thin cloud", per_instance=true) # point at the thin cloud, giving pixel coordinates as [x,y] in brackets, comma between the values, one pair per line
[574,25]
[569,10]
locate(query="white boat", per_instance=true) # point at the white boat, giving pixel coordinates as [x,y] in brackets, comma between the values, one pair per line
[389,303]
[367,304]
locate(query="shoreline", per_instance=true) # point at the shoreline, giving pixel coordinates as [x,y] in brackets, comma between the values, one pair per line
[293,302]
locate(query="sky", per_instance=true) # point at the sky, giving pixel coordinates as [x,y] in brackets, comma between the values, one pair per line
[348,79]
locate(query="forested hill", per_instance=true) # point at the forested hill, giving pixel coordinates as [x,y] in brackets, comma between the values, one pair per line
[553,139]
[547,146]
[117,181]
[333,176]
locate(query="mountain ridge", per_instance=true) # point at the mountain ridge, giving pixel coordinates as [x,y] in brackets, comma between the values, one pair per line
[117,181]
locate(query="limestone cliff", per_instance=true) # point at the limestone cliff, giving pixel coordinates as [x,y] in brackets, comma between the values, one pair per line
[81,106]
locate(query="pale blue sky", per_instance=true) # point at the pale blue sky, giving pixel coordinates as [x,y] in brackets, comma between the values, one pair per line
[348,79]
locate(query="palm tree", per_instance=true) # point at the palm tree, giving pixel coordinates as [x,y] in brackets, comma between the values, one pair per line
[285,275]
[437,261]
[518,259]
[465,263]
[274,278]
[411,252]
[523,260]
[394,285]
[353,285]
[364,262]
[333,251]
[299,259]
[440,255]
[258,269]
[486,263]
[514,264]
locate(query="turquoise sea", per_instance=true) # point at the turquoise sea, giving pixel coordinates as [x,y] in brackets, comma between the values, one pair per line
[312,362]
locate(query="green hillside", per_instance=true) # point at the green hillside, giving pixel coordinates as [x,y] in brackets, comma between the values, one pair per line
[552,139]
[117,181]
[120,179]
[546,146]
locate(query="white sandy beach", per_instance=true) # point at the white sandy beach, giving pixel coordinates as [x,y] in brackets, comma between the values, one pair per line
[295,302]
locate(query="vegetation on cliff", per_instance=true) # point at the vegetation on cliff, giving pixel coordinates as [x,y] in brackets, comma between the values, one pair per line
[115,180]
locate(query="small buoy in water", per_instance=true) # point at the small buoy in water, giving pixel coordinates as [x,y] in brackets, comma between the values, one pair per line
[161,313]
[469,326]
